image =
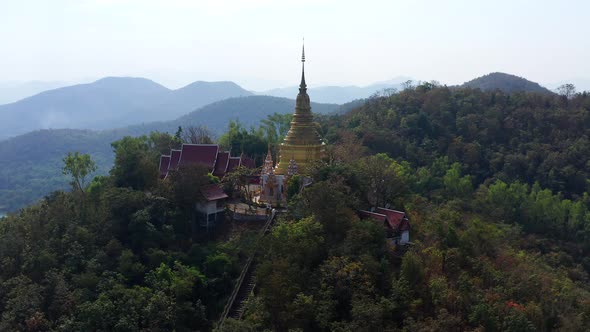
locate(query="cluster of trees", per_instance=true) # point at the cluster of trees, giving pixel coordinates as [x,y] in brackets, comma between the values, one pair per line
[495,186]
[255,141]
[122,253]
[521,136]
[482,258]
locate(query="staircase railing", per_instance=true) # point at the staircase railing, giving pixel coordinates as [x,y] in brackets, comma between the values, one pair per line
[245,269]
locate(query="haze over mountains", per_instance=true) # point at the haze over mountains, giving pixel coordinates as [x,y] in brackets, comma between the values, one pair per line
[12,91]
[340,94]
[109,103]
[115,102]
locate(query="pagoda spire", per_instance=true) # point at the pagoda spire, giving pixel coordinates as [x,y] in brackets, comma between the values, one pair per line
[268,163]
[302,143]
[302,85]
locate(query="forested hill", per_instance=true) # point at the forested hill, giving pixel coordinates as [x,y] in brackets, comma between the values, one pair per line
[493,185]
[528,137]
[32,162]
[506,83]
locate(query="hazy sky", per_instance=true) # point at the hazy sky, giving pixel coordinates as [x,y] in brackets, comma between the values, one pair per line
[256,43]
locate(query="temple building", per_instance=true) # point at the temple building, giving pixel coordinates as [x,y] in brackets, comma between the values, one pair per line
[219,163]
[300,149]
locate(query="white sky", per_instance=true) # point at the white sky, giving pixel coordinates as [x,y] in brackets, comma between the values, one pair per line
[257,43]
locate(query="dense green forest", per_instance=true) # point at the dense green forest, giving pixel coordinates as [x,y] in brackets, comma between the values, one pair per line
[495,186]
[523,136]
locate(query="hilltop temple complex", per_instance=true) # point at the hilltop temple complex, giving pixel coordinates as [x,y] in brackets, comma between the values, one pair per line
[301,147]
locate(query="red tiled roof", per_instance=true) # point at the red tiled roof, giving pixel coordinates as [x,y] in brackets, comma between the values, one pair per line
[233,163]
[394,217]
[164,162]
[376,216]
[221,164]
[213,192]
[247,162]
[174,159]
[394,220]
[205,154]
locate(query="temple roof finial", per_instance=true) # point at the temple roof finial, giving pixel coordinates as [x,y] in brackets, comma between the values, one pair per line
[303,51]
[303,86]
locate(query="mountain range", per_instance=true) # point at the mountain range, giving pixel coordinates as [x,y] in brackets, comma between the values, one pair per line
[109,103]
[115,102]
[339,94]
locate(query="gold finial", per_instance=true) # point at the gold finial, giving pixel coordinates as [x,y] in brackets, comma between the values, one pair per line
[303,51]
[302,85]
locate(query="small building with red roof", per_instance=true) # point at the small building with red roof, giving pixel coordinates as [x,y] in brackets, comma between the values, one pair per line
[213,207]
[396,223]
[219,163]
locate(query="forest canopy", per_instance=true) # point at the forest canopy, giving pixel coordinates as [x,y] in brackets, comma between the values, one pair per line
[495,187]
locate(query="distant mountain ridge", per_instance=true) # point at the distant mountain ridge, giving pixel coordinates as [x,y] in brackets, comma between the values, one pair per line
[506,83]
[12,91]
[338,94]
[109,103]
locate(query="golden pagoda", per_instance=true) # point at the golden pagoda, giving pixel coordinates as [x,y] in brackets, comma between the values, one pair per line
[302,144]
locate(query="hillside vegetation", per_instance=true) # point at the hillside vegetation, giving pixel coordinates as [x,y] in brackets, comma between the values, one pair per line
[492,249]
[522,136]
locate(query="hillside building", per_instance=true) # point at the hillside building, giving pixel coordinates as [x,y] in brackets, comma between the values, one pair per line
[219,163]
[396,224]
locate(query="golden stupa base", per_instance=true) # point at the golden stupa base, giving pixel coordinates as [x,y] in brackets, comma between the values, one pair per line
[304,156]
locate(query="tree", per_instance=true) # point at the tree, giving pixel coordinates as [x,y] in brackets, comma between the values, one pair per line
[135,163]
[381,181]
[239,179]
[161,143]
[251,142]
[348,149]
[187,183]
[293,186]
[276,126]
[78,166]
[197,135]
[456,185]
[567,90]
